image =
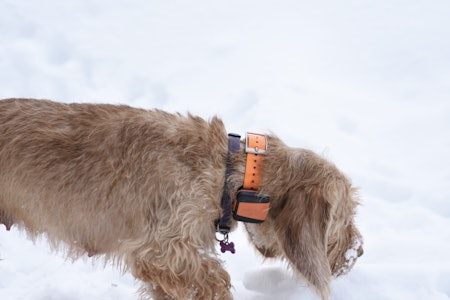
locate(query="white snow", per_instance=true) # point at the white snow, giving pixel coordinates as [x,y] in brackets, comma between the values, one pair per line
[366,83]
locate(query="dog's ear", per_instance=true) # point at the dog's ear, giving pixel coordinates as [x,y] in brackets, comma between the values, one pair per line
[301,226]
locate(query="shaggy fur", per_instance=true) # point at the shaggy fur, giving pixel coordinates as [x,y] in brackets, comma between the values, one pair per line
[143,188]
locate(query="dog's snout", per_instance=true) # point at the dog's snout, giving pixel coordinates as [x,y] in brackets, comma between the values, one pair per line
[360,251]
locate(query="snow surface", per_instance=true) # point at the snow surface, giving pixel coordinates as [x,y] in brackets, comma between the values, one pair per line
[366,83]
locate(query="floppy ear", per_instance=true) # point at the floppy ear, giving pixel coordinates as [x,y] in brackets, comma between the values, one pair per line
[302,229]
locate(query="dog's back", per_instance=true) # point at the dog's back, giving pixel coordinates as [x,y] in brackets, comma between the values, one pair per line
[94,175]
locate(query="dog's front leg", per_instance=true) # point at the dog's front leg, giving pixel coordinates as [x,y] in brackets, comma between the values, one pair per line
[178,271]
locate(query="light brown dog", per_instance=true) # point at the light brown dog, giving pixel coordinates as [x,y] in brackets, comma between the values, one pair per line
[143,188]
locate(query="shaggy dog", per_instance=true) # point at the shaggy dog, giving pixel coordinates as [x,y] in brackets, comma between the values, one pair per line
[144,188]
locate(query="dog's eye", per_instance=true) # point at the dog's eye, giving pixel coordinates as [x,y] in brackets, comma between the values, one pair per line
[275,210]
[283,202]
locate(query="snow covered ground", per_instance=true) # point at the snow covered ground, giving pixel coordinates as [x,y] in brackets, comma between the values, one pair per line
[366,83]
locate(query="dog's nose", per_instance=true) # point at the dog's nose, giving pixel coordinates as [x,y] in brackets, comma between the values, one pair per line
[360,251]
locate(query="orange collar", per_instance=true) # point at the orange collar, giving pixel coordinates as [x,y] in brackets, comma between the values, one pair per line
[255,147]
[249,205]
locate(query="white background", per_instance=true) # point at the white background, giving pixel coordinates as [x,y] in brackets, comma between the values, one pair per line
[365,83]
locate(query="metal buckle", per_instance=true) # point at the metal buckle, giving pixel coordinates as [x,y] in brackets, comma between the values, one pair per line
[255,150]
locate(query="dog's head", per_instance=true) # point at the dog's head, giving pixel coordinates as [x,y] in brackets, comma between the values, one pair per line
[311,219]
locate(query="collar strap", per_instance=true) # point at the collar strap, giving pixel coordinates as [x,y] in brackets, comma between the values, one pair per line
[255,147]
[250,205]
[223,224]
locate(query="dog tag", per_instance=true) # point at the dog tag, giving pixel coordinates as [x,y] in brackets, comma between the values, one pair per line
[225,246]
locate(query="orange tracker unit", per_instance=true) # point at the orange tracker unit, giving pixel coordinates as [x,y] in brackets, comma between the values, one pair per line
[250,207]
